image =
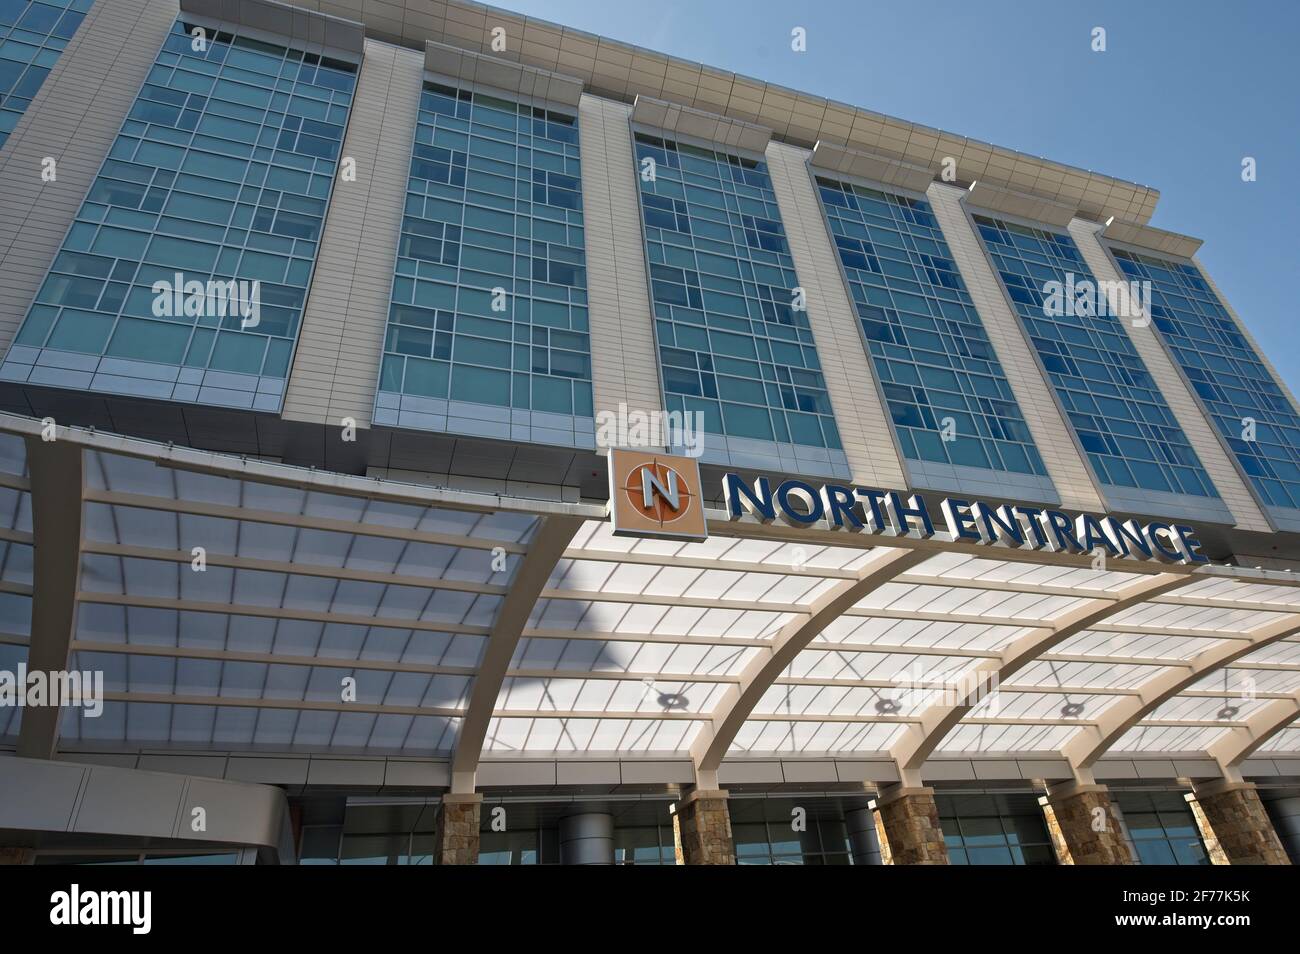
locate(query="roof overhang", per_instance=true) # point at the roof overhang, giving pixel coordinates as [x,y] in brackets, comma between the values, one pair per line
[229,601]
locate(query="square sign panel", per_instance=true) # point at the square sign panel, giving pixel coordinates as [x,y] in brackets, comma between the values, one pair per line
[655,495]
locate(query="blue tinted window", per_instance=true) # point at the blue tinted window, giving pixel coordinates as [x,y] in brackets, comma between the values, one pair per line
[926,341]
[994,830]
[489,302]
[1162,827]
[1127,430]
[184,193]
[1226,373]
[32,35]
[722,281]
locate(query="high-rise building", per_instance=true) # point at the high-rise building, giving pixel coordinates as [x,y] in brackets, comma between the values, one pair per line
[413,410]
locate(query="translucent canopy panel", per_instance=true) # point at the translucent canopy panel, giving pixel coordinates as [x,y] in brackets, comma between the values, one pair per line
[133,579]
[1170,738]
[119,474]
[148,675]
[237,612]
[861,632]
[633,618]
[974,739]
[1004,704]
[1210,620]
[821,665]
[838,700]
[253,727]
[1115,641]
[16,555]
[15,623]
[610,736]
[771,737]
[1239,591]
[1283,653]
[668,659]
[1048,674]
[1073,580]
[15,564]
[1247,682]
[1189,708]
[106,625]
[608,696]
[595,538]
[306,546]
[681,585]
[965,603]
[1286,741]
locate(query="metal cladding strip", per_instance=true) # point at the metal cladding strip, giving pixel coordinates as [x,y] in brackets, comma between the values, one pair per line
[937,721]
[1095,740]
[547,548]
[56,489]
[67,798]
[1241,742]
[716,737]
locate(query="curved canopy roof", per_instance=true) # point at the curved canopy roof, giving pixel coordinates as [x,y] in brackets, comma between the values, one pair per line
[229,601]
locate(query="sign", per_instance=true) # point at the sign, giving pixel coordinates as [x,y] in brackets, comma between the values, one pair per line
[656,495]
[867,510]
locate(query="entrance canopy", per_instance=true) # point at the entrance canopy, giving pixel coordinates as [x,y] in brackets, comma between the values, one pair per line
[243,606]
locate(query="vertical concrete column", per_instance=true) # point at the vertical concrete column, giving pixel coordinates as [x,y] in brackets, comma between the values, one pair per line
[1065,465]
[702,829]
[907,825]
[1085,826]
[456,836]
[73,120]
[864,838]
[587,838]
[1234,825]
[624,360]
[1285,814]
[1191,418]
[341,339]
[16,856]
[865,428]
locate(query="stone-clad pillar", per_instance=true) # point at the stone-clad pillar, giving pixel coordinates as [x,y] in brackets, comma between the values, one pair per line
[702,829]
[907,823]
[1085,826]
[456,837]
[1234,825]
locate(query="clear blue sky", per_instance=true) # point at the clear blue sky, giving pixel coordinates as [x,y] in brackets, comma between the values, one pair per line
[1183,92]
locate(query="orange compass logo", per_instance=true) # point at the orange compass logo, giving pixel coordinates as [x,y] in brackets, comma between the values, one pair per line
[658,492]
[656,495]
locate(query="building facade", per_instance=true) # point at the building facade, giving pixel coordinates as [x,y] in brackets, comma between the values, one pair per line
[433,435]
